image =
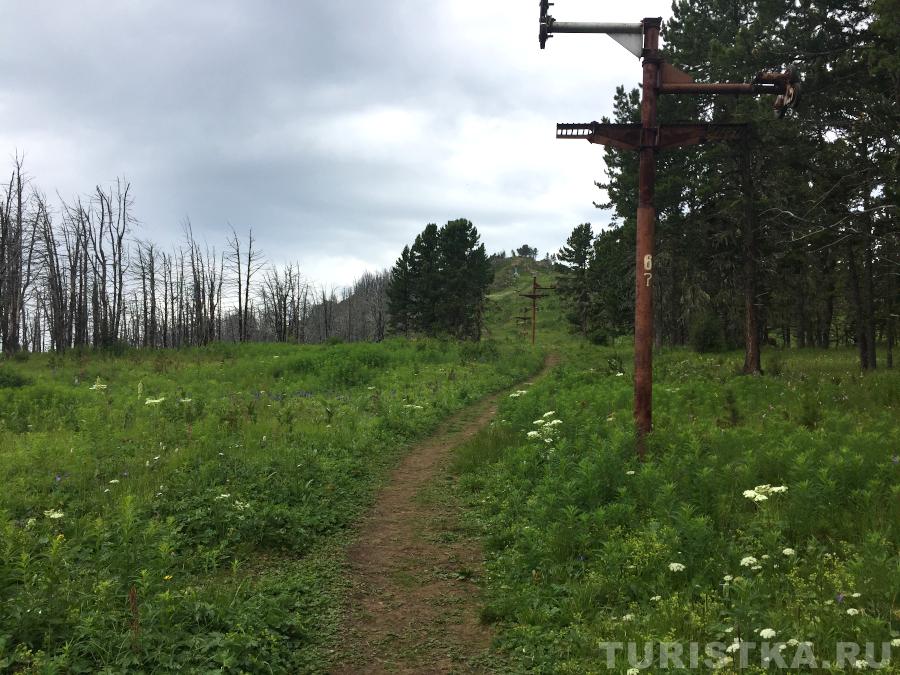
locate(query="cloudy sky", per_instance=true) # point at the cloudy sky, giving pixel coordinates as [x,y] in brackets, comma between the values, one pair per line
[336,129]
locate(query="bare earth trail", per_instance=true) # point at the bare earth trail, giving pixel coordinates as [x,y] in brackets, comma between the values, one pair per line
[413,606]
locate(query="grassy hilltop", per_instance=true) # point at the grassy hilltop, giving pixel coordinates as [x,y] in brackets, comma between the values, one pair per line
[187,509]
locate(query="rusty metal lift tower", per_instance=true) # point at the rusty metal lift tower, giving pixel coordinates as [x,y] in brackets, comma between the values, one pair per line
[648,138]
[535,295]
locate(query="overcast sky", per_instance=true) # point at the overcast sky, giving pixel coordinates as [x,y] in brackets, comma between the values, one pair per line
[336,129]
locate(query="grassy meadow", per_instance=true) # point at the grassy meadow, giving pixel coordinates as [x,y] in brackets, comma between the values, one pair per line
[181,510]
[768,509]
[188,510]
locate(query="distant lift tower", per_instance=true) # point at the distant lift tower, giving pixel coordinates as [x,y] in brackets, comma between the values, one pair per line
[535,295]
[648,138]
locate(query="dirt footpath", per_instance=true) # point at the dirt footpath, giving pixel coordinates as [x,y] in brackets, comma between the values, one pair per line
[413,605]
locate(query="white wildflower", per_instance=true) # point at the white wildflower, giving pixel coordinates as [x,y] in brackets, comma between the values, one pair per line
[789,552]
[549,413]
[676,567]
[778,489]
[724,662]
[734,646]
[539,422]
[861,664]
[727,578]
[656,598]
[628,617]
[756,568]
[895,642]
[553,423]
[98,385]
[114,481]
[855,595]
[154,401]
[54,514]
[30,523]
[748,561]
[224,495]
[793,642]
[852,611]
[629,473]
[241,506]
[767,633]
[185,400]
[534,434]
[633,671]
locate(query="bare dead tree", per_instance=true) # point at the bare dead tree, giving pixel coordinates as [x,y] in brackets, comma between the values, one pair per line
[17,239]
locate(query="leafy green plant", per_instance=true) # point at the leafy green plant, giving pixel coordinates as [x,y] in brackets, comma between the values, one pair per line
[12,380]
[137,483]
[766,503]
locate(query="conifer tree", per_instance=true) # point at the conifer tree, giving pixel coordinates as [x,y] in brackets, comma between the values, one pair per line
[573,284]
[399,293]
[438,285]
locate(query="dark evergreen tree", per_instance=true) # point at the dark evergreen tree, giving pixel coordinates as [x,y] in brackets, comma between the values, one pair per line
[574,284]
[438,285]
[425,284]
[794,229]
[399,293]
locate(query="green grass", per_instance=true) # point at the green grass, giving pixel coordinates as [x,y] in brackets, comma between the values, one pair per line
[183,510]
[580,535]
[203,530]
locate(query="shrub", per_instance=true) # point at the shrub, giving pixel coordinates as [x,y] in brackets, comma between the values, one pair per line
[12,380]
[707,333]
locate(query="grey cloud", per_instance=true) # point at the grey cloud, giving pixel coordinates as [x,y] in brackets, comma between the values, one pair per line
[231,111]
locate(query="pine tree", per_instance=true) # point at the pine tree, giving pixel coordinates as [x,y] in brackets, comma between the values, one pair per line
[425,285]
[399,293]
[573,285]
[438,285]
